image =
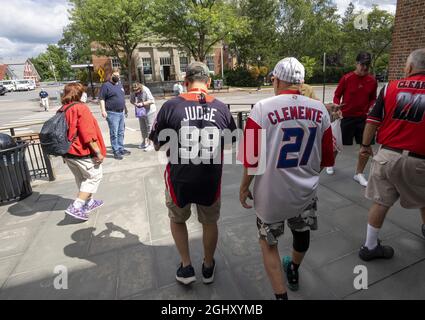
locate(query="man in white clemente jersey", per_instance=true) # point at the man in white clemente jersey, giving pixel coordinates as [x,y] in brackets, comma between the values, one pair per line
[296,146]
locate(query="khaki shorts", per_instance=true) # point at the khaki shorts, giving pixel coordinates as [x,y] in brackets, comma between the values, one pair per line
[206,215]
[393,176]
[87,174]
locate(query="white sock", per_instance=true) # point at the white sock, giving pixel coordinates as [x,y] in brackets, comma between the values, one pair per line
[372,237]
[78,203]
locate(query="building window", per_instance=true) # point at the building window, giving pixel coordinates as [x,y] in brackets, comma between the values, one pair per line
[184,62]
[115,63]
[210,63]
[147,65]
[166,61]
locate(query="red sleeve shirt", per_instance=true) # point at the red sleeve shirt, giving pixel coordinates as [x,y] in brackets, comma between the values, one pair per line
[400,114]
[83,129]
[252,144]
[358,95]
[328,159]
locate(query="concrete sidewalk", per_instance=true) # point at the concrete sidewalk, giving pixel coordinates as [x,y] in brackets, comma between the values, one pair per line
[125,250]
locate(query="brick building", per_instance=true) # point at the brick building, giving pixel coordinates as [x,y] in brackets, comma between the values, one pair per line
[408,35]
[153,62]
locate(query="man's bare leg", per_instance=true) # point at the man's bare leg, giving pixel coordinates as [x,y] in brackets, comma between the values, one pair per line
[210,238]
[181,239]
[273,267]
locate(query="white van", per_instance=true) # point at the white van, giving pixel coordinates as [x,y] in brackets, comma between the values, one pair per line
[26,85]
[10,85]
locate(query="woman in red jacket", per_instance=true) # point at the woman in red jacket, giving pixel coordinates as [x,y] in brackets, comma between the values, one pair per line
[86,153]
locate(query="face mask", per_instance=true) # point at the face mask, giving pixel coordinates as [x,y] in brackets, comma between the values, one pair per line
[83,98]
[115,79]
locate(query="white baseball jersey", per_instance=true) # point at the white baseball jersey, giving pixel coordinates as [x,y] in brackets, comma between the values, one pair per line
[297,142]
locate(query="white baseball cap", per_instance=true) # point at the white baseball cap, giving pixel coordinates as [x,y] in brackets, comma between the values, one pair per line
[289,70]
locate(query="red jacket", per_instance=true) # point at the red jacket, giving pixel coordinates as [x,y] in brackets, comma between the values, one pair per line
[83,125]
[357,93]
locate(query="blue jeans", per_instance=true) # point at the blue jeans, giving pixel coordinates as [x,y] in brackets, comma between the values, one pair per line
[116,130]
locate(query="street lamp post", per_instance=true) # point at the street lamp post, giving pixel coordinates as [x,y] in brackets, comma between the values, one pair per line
[259,73]
[91,79]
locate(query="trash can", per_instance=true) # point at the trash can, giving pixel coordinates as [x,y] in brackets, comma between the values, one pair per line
[15,180]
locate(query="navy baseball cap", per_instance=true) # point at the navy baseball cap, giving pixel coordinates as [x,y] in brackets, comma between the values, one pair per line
[364,58]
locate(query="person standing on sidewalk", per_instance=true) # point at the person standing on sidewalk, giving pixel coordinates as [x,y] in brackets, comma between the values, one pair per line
[398,169]
[114,110]
[145,111]
[86,154]
[193,174]
[44,99]
[358,92]
[296,146]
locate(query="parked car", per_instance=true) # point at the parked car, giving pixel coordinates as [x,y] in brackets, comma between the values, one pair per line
[9,84]
[25,85]
[3,90]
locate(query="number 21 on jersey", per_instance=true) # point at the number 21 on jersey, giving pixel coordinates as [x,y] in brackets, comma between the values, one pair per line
[295,147]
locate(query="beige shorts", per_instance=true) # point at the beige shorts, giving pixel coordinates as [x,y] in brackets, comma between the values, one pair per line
[87,174]
[206,215]
[393,176]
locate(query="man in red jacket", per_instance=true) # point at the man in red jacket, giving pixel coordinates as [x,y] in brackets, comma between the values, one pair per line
[358,92]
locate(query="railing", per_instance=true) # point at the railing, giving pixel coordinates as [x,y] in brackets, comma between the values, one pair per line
[38,161]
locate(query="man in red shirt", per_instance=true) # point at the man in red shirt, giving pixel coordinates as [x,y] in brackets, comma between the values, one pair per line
[358,92]
[398,169]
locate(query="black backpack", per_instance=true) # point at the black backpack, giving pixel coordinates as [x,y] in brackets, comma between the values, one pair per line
[54,134]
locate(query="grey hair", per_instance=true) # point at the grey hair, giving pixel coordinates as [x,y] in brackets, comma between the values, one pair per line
[417,59]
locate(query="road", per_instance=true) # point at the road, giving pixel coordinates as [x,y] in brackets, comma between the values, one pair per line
[22,107]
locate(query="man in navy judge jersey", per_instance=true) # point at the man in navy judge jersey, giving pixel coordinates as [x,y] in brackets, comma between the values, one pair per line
[193,174]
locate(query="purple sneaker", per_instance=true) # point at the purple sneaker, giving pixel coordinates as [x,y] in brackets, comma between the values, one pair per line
[78,213]
[95,204]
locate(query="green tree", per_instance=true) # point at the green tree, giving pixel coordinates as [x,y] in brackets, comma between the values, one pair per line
[308,28]
[376,38]
[260,38]
[76,43]
[309,65]
[196,26]
[117,26]
[53,63]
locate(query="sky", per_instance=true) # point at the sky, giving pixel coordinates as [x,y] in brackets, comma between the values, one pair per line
[28,26]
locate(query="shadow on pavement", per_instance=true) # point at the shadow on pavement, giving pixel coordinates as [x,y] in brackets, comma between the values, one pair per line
[37,203]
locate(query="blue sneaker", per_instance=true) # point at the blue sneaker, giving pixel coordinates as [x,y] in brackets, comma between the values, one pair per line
[291,274]
[185,275]
[78,213]
[93,205]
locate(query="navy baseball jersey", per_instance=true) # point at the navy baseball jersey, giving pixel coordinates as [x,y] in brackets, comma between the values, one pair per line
[193,173]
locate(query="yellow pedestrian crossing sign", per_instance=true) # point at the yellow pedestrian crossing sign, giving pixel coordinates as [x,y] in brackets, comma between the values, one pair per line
[101,74]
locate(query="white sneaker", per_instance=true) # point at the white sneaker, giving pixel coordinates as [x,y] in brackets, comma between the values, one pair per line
[330,170]
[149,148]
[360,178]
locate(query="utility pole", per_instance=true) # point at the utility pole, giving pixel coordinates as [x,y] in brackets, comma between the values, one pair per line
[324,77]
[222,62]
